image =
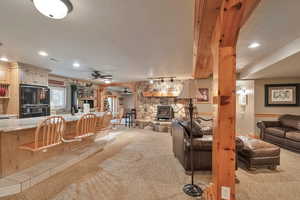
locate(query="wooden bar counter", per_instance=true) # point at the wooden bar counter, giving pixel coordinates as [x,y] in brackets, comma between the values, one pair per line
[16,132]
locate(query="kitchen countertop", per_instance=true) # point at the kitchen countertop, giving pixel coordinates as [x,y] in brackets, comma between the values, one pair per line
[8,125]
[7,116]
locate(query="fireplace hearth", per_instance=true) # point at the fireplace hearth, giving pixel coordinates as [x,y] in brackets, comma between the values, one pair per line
[165,113]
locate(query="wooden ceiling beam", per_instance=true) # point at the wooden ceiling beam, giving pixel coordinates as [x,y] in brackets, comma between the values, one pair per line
[231,20]
[130,85]
[206,13]
[251,6]
[205,19]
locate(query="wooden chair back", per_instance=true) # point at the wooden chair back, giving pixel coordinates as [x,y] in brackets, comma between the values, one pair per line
[99,123]
[48,134]
[106,123]
[121,113]
[86,126]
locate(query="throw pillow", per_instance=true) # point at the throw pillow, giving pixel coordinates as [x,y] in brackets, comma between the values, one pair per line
[197,130]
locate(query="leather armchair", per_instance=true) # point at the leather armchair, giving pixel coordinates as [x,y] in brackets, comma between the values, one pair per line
[202,147]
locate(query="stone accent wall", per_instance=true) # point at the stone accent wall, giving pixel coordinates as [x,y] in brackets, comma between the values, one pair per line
[147,106]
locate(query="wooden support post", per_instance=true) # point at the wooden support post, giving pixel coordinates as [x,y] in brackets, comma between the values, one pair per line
[223,51]
[217,26]
[224,129]
[100,98]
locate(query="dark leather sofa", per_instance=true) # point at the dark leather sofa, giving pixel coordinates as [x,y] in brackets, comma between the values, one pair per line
[202,147]
[285,132]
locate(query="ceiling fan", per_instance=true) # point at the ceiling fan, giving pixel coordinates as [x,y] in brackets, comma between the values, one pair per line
[100,75]
[126,91]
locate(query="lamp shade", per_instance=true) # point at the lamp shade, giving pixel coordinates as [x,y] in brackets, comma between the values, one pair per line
[189,90]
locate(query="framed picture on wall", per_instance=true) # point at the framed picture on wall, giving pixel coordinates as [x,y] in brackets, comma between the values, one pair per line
[203,95]
[282,95]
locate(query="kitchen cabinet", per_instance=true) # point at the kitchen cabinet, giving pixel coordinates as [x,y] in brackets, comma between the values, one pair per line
[4,74]
[34,76]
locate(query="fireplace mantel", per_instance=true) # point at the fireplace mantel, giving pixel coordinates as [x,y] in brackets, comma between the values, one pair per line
[160,94]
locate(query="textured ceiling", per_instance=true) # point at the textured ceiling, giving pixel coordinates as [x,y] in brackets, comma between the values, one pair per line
[286,68]
[273,24]
[132,39]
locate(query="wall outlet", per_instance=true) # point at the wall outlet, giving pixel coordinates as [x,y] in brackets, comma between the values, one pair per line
[225,193]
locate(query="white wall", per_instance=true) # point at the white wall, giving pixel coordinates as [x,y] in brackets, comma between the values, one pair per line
[245,115]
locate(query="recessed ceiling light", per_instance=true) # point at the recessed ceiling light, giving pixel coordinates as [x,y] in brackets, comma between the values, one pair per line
[107,81]
[43,53]
[4,59]
[76,64]
[55,9]
[253,45]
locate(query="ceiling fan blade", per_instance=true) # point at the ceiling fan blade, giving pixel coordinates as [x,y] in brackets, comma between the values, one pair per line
[106,76]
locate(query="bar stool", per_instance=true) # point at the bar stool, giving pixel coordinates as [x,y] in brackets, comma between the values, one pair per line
[48,134]
[130,118]
[85,127]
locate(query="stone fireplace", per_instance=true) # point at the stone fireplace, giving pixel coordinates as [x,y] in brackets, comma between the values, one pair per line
[148,107]
[164,112]
[150,96]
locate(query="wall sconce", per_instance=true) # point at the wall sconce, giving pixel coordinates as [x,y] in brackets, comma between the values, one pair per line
[243,96]
[243,99]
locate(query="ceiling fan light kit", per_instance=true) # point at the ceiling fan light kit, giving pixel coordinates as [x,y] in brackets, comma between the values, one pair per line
[55,9]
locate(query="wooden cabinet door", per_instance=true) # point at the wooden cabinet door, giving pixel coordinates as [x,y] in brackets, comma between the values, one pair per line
[34,77]
[43,78]
[4,74]
[26,77]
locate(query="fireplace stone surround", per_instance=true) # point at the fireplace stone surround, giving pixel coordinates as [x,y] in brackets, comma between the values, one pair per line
[147,106]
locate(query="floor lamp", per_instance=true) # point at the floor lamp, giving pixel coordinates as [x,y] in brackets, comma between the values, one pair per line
[189,92]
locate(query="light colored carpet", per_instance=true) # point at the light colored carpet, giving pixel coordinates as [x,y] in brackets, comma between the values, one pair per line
[139,165]
[282,184]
